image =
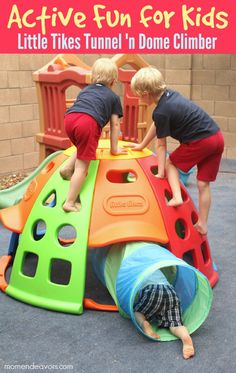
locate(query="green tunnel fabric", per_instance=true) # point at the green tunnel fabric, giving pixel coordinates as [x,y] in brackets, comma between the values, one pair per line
[41,289]
[127,266]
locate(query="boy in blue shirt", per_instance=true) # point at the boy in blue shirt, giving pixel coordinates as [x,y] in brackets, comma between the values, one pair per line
[94,107]
[201,141]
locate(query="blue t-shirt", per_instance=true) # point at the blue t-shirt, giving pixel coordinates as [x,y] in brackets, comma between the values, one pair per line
[98,101]
[180,118]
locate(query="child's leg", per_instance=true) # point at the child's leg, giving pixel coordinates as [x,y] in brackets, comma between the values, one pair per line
[145,325]
[66,172]
[173,178]
[204,206]
[182,333]
[80,172]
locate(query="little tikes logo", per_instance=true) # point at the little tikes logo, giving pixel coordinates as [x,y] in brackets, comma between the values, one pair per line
[125,205]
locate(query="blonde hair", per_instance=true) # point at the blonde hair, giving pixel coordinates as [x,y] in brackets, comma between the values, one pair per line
[104,71]
[148,79]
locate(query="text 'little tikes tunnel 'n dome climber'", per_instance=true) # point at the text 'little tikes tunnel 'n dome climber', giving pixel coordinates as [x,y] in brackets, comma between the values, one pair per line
[123,268]
[122,201]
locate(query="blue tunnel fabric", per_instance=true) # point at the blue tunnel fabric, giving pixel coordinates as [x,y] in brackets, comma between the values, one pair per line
[136,268]
[124,268]
[100,256]
[186,293]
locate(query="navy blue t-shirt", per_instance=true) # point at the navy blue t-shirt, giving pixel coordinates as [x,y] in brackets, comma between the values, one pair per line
[98,101]
[180,118]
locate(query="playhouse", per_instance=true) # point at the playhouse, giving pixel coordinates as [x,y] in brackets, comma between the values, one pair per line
[52,82]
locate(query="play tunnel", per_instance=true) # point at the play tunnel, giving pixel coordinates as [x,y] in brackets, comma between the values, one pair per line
[123,268]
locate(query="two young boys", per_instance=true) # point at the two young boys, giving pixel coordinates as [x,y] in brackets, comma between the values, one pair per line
[201,144]
[201,141]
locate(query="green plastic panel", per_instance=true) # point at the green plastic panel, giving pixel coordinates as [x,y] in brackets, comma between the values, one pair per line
[49,247]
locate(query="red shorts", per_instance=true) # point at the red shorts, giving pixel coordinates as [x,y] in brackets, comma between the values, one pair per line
[84,132]
[205,153]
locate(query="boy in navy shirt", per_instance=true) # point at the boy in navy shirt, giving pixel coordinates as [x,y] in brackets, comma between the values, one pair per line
[201,141]
[94,107]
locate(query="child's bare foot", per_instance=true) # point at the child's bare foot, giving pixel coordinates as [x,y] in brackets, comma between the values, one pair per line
[148,330]
[201,228]
[188,349]
[175,202]
[66,173]
[69,207]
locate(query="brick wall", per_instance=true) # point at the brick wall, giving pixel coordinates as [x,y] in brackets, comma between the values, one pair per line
[18,112]
[214,88]
[209,80]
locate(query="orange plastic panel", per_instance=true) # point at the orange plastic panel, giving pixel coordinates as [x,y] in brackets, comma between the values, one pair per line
[4,264]
[124,211]
[92,305]
[14,217]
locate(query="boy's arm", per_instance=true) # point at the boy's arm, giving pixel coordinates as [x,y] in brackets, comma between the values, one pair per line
[161,155]
[150,135]
[115,133]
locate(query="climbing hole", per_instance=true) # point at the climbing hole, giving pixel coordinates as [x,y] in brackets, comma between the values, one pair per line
[50,200]
[194,217]
[154,170]
[188,257]
[60,271]
[181,228]
[168,195]
[39,230]
[121,176]
[184,194]
[66,235]
[29,264]
[205,251]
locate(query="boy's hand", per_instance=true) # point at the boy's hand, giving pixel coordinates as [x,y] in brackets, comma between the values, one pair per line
[119,151]
[135,147]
